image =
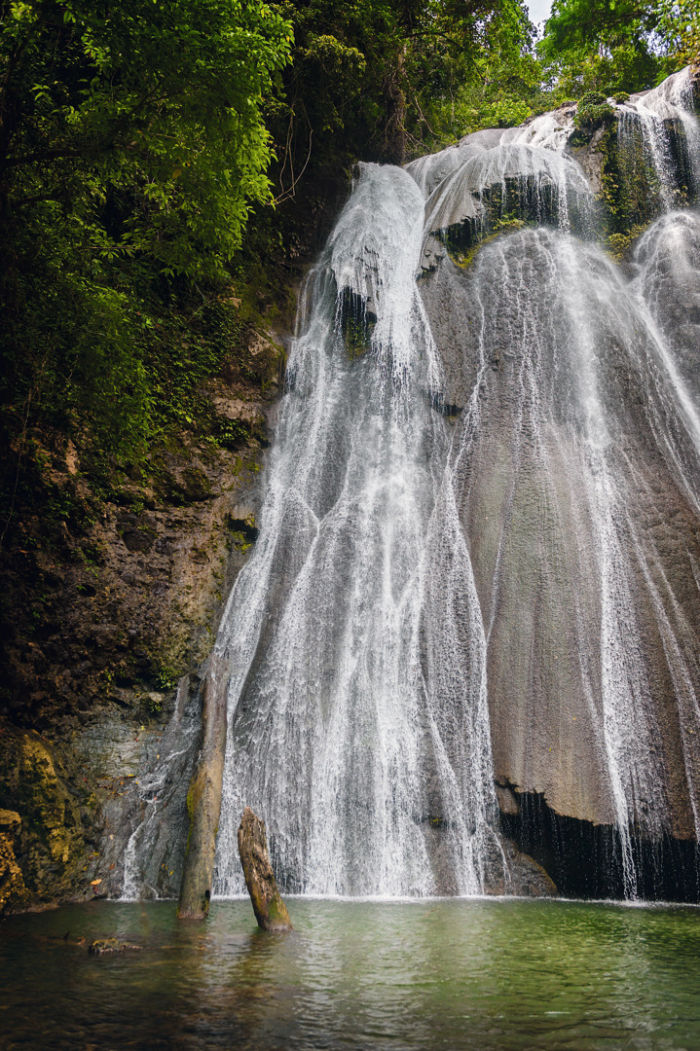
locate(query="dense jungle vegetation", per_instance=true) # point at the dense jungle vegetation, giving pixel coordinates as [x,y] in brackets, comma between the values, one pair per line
[166,168]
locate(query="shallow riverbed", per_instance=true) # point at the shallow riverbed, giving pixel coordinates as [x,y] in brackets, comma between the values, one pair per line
[483,974]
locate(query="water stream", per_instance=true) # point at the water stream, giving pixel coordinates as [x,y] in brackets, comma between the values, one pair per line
[355,723]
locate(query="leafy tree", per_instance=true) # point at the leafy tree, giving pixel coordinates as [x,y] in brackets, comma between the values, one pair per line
[497,85]
[369,78]
[611,46]
[132,146]
[150,112]
[679,27]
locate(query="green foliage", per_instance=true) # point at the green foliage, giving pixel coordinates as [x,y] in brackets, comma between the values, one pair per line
[617,46]
[376,80]
[630,186]
[619,244]
[679,26]
[135,140]
[132,147]
[593,110]
[231,434]
[143,131]
[167,678]
[499,86]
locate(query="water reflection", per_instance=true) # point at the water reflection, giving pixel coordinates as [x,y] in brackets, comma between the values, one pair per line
[441,974]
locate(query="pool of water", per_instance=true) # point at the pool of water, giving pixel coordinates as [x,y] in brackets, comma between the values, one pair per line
[483,974]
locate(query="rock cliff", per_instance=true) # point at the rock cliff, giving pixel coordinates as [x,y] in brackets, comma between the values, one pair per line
[107,604]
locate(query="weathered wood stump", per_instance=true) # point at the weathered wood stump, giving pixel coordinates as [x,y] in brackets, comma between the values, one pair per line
[270,911]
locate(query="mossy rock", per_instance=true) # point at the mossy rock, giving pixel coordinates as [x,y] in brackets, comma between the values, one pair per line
[190,486]
[463,255]
[505,208]
[50,846]
[13,892]
[632,192]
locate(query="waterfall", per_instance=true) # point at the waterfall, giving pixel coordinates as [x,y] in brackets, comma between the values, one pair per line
[472,568]
[354,727]
[660,137]
[590,400]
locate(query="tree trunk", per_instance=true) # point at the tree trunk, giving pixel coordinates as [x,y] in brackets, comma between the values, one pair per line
[394,146]
[270,911]
[204,798]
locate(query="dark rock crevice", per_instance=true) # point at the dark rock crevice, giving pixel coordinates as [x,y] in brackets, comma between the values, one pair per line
[585,859]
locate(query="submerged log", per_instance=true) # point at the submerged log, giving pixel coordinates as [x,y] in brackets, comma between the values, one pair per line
[270,911]
[204,798]
[102,946]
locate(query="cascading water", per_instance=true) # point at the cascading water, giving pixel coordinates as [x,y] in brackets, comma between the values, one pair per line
[568,565]
[476,580]
[659,137]
[358,715]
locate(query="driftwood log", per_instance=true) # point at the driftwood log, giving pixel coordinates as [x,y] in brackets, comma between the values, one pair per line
[204,798]
[270,911]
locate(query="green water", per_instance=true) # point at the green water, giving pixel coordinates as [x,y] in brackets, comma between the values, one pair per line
[437,974]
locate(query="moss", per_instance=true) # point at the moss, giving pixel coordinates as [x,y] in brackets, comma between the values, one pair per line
[190,802]
[51,845]
[630,188]
[357,337]
[169,675]
[620,244]
[194,796]
[464,259]
[278,915]
[13,892]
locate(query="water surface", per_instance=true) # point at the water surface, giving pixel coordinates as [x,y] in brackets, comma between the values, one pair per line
[486,974]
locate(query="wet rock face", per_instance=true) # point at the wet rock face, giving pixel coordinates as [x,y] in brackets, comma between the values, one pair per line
[48,837]
[102,614]
[541,471]
[13,892]
[574,484]
[606,177]
[669,259]
[508,868]
[585,859]
[577,474]
[550,544]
